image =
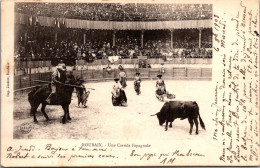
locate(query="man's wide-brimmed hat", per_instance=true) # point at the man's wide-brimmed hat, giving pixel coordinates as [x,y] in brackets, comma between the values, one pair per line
[159,75]
[116,79]
[137,73]
[61,66]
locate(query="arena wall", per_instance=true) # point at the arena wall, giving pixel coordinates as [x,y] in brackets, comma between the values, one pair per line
[27,72]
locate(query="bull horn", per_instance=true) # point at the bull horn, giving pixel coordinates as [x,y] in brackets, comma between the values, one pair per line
[154,114]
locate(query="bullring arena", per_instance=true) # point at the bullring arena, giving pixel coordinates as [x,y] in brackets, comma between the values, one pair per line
[185,64]
[101,120]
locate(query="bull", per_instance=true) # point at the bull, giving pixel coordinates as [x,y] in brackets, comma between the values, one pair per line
[180,109]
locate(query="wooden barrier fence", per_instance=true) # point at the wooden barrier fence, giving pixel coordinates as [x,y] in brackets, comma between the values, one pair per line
[28,80]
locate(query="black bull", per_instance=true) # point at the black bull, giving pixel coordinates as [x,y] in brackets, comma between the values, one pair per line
[180,109]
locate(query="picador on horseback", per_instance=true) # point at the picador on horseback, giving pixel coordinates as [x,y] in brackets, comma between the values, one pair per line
[58,93]
[58,78]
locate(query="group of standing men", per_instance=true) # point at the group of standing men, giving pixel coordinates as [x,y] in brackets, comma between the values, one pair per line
[120,84]
[118,94]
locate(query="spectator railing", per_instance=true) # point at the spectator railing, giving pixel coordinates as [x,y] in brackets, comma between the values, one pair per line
[111,25]
[116,11]
[27,82]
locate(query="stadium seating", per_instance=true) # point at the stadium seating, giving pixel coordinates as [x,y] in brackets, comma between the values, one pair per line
[118,12]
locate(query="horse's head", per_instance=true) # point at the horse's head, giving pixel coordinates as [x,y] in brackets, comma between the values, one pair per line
[79,81]
[70,81]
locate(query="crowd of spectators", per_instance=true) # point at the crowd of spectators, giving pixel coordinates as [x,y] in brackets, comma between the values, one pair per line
[118,11]
[41,43]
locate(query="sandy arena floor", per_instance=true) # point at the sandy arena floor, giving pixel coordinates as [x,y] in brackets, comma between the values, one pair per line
[101,120]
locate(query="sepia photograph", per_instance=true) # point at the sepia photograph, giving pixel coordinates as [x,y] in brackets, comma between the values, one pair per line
[106,68]
[110,83]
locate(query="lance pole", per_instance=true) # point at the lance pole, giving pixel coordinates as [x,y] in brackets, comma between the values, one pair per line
[62,84]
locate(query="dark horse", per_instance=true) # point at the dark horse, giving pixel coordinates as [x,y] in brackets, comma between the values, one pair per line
[61,97]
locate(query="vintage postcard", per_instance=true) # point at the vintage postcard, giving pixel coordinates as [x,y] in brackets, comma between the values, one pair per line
[130,83]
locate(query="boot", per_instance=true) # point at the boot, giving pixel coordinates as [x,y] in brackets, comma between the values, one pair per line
[48,100]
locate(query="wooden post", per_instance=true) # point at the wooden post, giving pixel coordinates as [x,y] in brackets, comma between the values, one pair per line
[200,29]
[84,38]
[114,38]
[81,76]
[142,38]
[30,77]
[20,80]
[171,30]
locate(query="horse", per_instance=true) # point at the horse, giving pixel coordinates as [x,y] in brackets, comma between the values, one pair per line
[121,100]
[62,97]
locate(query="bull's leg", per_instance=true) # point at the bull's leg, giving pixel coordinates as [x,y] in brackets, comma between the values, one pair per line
[65,114]
[171,124]
[191,124]
[196,124]
[166,126]
[43,111]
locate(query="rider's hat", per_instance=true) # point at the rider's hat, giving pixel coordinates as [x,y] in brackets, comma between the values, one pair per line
[137,73]
[61,66]
[159,75]
[116,79]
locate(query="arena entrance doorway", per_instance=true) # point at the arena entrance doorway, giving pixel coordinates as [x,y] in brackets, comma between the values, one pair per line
[142,62]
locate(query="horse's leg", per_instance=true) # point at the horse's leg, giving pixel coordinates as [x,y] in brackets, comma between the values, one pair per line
[191,124]
[31,112]
[43,111]
[68,112]
[78,100]
[34,110]
[196,124]
[65,114]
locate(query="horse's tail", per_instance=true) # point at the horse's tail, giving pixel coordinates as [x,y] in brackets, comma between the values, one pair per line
[201,122]
[31,94]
